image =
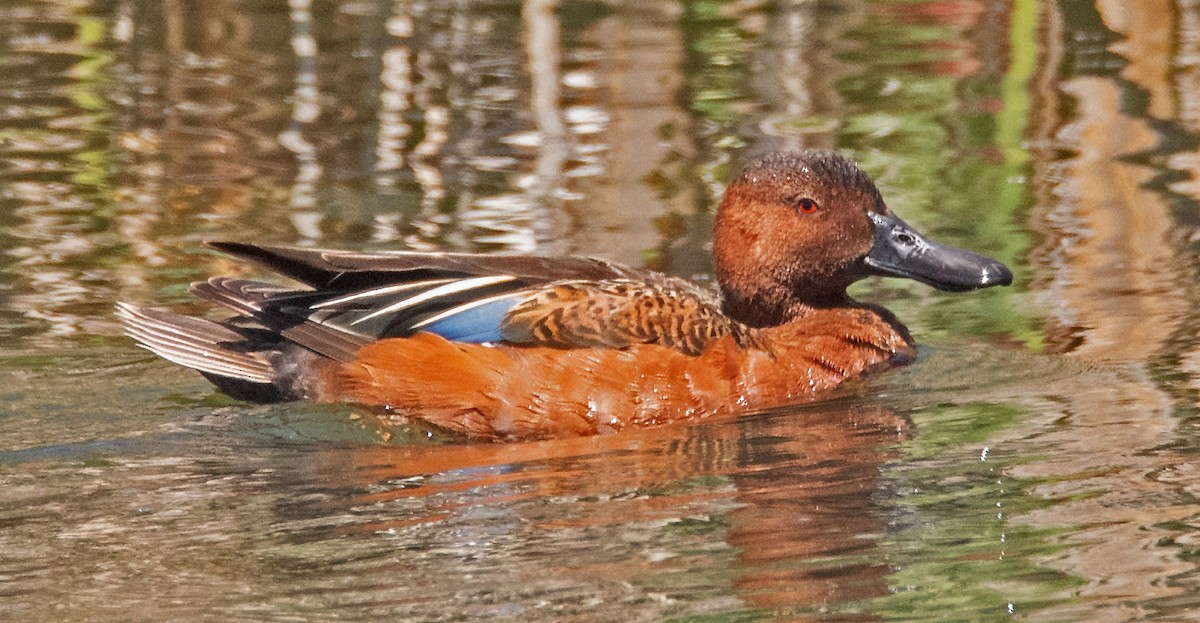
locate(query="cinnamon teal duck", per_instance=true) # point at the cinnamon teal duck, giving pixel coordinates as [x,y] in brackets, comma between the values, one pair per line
[505,347]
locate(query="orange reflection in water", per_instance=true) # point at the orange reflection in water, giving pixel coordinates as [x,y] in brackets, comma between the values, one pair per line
[794,491]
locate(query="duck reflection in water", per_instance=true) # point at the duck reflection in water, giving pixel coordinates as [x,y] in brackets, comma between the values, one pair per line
[522,347]
[792,493]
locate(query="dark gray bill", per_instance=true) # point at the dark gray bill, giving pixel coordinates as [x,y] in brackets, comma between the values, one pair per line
[899,251]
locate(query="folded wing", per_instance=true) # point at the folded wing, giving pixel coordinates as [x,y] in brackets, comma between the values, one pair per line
[355,298]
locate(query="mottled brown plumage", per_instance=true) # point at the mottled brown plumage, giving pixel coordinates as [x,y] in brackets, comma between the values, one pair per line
[519,347]
[622,313]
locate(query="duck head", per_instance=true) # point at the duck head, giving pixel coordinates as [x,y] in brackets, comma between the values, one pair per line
[795,229]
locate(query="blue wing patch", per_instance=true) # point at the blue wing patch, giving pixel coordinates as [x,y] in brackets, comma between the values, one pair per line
[476,322]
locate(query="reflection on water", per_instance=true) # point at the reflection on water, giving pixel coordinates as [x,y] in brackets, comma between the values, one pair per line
[1038,459]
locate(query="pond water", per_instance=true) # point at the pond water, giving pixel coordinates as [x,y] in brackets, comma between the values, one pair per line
[1039,460]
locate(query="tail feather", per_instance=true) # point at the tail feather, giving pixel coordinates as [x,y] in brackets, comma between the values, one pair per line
[247,362]
[262,303]
[196,343]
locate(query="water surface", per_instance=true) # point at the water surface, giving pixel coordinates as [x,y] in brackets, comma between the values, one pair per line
[1038,461]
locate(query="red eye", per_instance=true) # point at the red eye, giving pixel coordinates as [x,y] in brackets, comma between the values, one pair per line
[807,206]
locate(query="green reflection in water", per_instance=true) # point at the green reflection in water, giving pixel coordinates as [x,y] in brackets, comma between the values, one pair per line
[716,70]
[930,139]
[90,81]
[954,546]
[1013,191]
[933,142]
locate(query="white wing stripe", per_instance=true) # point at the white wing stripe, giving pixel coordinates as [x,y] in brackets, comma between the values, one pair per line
[454,287]
[384,291]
